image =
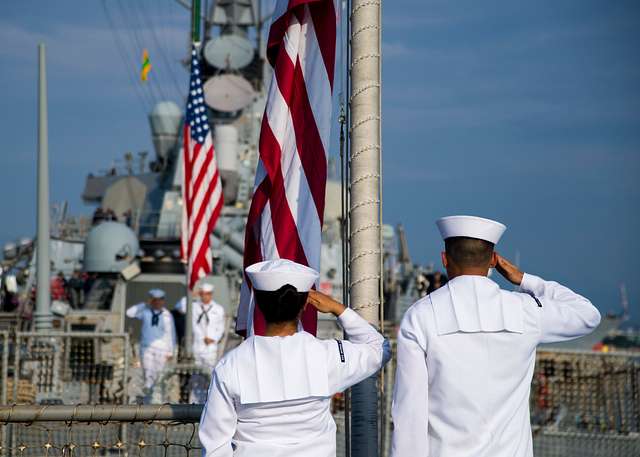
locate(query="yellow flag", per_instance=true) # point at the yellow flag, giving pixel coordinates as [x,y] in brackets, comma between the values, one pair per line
[146,65]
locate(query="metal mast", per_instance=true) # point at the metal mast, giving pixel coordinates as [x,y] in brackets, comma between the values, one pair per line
[365,209]
[188,333]
[42,315]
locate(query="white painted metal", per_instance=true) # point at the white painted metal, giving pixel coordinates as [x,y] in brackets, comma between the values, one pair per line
[225,142]
[42,315]
[365,210]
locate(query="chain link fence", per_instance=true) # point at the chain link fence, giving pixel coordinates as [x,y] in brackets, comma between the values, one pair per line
[586,404]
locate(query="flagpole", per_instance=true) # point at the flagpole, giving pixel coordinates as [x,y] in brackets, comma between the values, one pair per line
[188,333]
[365,206]
[42,316]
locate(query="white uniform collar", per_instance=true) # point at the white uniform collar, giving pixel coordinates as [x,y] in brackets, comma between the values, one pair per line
[274,369]
[474,304]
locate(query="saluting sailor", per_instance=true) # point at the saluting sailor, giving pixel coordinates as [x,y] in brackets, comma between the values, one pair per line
[158,337]
[466,352]
[207,319]
[271,395]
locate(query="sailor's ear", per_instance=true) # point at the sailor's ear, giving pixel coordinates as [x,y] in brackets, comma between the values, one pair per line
[443,255]
[494,260]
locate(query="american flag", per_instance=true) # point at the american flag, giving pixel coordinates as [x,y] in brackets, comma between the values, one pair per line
[285,219]
[201,186]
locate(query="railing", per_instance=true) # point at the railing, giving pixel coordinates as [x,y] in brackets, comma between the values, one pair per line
[582,403]
[113,430]
[586,404]
[69,368]
[88,368]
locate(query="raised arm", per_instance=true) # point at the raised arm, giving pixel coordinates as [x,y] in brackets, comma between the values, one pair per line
[366,351]
[135,311]
[564,315]
[410,409]
[181,306]
[219,419]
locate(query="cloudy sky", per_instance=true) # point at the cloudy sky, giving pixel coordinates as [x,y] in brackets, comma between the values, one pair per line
[524,112]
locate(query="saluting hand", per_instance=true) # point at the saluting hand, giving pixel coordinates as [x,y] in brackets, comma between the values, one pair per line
[324,303]
[510,272]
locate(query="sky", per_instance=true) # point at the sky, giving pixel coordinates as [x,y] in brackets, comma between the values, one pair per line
[526,112]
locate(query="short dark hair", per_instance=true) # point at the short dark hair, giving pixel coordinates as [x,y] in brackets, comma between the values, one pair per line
[468,252]
[282,305]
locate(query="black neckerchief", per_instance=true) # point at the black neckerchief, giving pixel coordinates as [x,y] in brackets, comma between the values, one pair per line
[155,318]
[204,313]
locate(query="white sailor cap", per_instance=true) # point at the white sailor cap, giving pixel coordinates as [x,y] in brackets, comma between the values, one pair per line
[156,293]
[271,275]
[471,227]
[207,287]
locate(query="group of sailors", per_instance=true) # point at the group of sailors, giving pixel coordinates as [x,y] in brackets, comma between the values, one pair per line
[465,358]
[158,341]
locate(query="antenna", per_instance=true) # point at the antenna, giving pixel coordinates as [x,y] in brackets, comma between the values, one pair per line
[624,300]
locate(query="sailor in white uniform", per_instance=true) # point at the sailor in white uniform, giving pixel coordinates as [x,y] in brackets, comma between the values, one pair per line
[466,352]
[207,319]
[158,336]
[271,395]
[208,325]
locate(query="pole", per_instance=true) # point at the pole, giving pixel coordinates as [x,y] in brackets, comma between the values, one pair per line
[188,333]
[365,208]
[42,315]
[100,413]
[195,21]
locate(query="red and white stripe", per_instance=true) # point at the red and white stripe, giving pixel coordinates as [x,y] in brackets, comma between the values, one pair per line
[286,214]
[201,188]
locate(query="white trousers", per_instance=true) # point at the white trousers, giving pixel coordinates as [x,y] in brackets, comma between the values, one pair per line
[153,362]
[206,359]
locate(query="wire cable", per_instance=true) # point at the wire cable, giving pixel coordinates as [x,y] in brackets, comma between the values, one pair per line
[144,101]
[160,47]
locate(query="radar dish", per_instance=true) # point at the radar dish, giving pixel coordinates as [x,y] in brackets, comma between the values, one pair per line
[229,52]
[228,93]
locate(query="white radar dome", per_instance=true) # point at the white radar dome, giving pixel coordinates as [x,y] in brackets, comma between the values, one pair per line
[110,247]
[166,118]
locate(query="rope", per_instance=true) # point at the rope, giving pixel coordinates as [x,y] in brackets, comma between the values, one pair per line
[365,149]
[357,60]
[364,178]
[364,203]
[364,279]
[362,89]
[364,227]
[365,254]
[362,29]
[363,121]
[361,5]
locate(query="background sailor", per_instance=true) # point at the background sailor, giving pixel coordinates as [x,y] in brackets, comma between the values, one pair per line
[157,338]
[208,327]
